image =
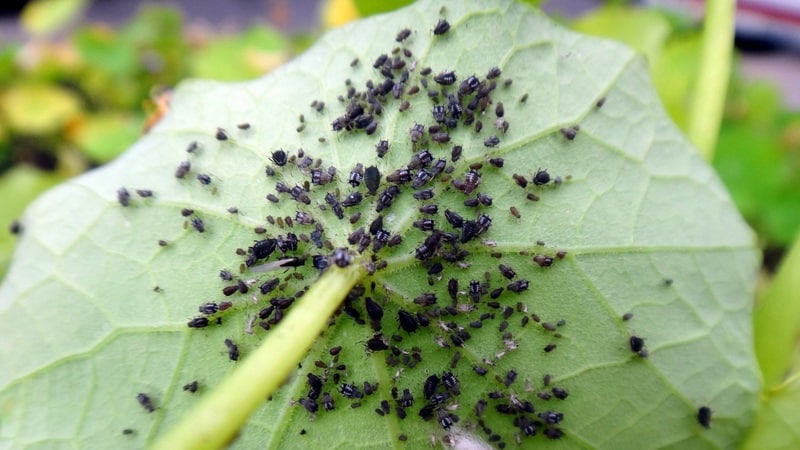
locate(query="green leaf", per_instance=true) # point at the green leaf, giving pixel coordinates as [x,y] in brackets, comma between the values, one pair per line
[776,322]
[102,137]
[253,53]
[778,419]
[368,8]
[645,30]
[36,108]
[634,206]
[48,16]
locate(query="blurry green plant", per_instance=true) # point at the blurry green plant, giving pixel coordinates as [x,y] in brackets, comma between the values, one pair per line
[71,104]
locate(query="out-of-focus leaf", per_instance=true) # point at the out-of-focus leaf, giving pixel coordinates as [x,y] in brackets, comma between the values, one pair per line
[18,187]
[251,54]
[645,30]
[48,16]
[102,137]
[759,160]
[674,57]
[38,108]
[370,8]
[634,205]
[336,13]
[674,73]
[776,320]
[102,49]
[778,424]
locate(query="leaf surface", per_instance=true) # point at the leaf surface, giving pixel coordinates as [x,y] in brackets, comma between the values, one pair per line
[634,207]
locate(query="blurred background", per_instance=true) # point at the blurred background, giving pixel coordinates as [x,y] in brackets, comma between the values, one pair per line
[81,80]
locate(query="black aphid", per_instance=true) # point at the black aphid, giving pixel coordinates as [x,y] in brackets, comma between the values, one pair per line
[475,291]
[424,224]
[144,193]
[430,386]
[445,78]
[356,175]
[499,111]
[441,27]
[627,316]
[183,169]
[441,137]
[372,178]
[469,85]
[309,404]
[511,376]
[543,260]
[454,108]
[549,347]
[402,35]
[497,162]
[494,72]
[507,271]
[483,223]
[263,248]
[406,400]
[382,148]
[350,391]
[429,247]
[455,154]
[704,416]
[198,322]
[518,286]
[429,209]
[526,425]
[445,418]
[208,308]
[221,135]
[408,321]
[480,370]
[374,310]
[491,141]
[279,157]
[341,257]
[123,196]
[560,393]
[425,194]
[484,199]
[191,387]
[399,176]
[637,346]
[377,343]
[571,132]
[198,225]
[204,178]
[233,350]
[145,401]
[439,113]
[315,385]
[541,177]
[427,411]
[328,402]
[451,383]
[320,262]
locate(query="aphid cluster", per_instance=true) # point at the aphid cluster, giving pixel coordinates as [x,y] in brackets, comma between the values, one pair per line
[442,234]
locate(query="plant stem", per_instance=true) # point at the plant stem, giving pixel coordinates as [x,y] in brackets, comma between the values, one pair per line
[218,417]
[712,81]
[776,319]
